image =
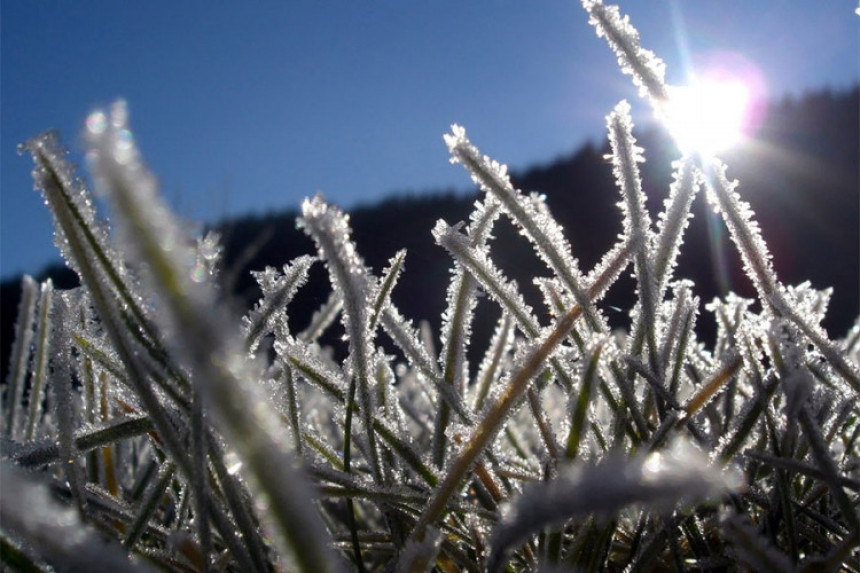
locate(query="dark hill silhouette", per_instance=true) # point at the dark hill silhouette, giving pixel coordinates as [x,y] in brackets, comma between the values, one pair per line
[800,176]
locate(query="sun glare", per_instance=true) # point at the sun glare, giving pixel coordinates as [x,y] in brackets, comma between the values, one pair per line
[708,116]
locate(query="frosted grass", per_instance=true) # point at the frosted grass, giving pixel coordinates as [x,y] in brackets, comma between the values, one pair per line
[20,356]
[192,444]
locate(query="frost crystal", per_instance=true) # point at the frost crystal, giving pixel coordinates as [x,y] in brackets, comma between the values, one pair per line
[82,238]
[497,286]
[56,530]
[379,299]
[20,355]
[808,302]
[207,255]
[646,68]
[679,474]
[744,230]
[637,222]
[329,228]
[674,220]
[203,442]
[529,213]
[278,289]
[120,174]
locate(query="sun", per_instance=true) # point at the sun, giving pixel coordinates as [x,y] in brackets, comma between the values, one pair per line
[707,116]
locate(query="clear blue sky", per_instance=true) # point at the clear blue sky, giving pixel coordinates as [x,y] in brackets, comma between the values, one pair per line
[249,106]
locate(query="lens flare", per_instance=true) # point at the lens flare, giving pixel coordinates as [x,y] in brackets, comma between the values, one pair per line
[707,117]
[719,106]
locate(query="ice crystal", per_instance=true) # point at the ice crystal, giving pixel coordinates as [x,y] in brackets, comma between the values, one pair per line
[625,157]
[674,220]
[808,302]
[679,474]
[55,176]
[481,267]
[200,440]
[56,530]
[277,289]
[329,227]
[530,213]
[20,354]
[643,65]
[637,222]
[408,339]
[379,299]
[42,343]
[457,324]
[206,257]
[495,361]
[752,548]
[743,229]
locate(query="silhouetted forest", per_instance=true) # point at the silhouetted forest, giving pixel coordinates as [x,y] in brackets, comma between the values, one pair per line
[801,176]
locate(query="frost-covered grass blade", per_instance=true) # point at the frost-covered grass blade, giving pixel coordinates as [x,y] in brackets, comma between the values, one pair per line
[144,426]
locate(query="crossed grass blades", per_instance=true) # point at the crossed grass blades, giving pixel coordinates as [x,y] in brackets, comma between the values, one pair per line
[145,429]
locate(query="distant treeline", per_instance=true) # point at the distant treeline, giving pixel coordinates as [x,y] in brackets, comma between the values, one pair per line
[801,175]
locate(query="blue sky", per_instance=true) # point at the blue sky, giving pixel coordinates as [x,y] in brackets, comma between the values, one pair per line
[244,107]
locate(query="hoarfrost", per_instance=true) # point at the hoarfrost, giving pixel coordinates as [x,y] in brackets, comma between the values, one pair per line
[808,302]
[495,362]
[61,537]
[42,354]
[663,479]
[322,318]
[207,255]
[329,227]
[278,290]
[648,71]
[637,222]
[408,339]
[491,278]
[674,220]
[529,213]
[143,360]
[379,298]
[75,221]
[20,355]
[744,230]
[420,554]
